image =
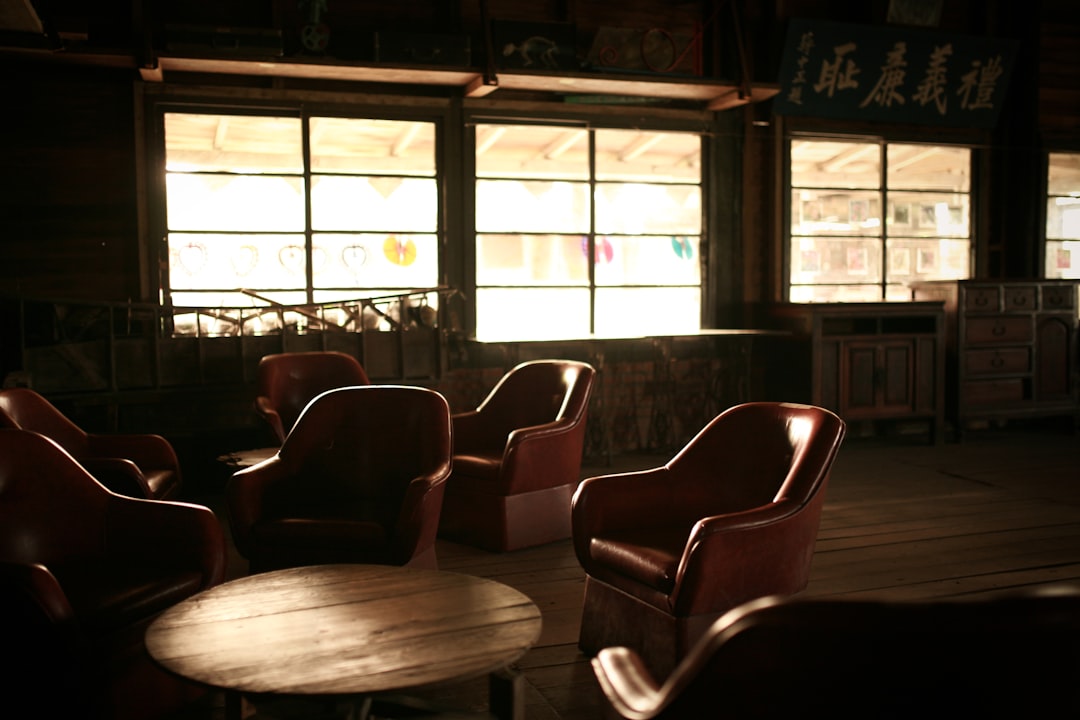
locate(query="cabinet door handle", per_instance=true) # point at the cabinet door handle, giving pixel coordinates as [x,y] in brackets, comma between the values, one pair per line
[981,300]
[998,330]
[997,362]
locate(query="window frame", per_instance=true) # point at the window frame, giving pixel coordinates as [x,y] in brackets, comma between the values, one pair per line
[1043,259]
[699,124]
[813,129]
[160,100]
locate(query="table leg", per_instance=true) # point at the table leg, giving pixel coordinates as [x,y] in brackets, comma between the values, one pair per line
[506,699]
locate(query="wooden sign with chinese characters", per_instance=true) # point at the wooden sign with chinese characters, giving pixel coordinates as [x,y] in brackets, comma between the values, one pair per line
[894,74]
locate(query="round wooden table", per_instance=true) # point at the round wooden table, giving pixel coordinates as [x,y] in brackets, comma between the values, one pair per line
[347,630]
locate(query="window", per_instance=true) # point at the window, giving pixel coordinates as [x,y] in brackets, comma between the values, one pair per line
[586,231]
[297,209]
[1063,216]
[868,216]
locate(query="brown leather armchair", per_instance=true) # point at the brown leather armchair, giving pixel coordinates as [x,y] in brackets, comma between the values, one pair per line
[731,517]
[287,382]
[517,458]
[139,465]
[359,479]
[1001,655]
[83,572]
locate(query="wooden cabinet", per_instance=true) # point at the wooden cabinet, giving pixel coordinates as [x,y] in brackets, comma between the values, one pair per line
[864,361]
[1012,347]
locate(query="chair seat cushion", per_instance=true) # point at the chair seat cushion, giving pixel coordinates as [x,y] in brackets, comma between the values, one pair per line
[162,483]
[650,557]
[106,598]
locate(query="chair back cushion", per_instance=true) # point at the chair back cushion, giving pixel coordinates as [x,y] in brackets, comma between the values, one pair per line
[533,393]
[754,454]
[291,380]
[51,509]
[998,655]
[354,452]
[31,411]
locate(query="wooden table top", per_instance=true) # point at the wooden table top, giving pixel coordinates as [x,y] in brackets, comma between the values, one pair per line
[344,630]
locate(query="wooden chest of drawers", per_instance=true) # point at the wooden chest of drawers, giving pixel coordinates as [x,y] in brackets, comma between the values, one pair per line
[1011,347]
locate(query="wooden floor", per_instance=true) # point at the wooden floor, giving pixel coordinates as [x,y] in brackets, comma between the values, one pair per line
[902,520]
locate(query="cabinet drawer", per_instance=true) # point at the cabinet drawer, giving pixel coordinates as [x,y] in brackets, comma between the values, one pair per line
[993,392]
[1021,298]
[998,329]
[1058,297]
[982,298]
[997,361]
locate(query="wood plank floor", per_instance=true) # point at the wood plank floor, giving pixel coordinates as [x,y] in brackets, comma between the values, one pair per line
[901,521]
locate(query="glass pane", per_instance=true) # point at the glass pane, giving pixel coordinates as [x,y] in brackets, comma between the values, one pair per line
[532,151]
[532,260]
[644,156]
[929,167]
[927,260]
[816,212]
[531,313]
[377,147]
[532,206]
[636,208]
[1064,174]
[1063,260]
[233,143]
[378,259]
[835,293]
[1063,218]
[228,299]
[836,260]
[648,260]
[928,215]
[819,163]
[231,262]
[637,312]
[237,202]
[374,203]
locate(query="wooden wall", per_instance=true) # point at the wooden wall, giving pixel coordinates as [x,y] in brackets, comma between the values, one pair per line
[71,181]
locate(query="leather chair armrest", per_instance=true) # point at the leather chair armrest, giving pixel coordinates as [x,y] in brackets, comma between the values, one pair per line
[169,534]
[245,494]
[147,451]
[540,456]
[35,585]
[267,412]
[758,548]
[618,502]
[418,520]
[119,475]
[628,685]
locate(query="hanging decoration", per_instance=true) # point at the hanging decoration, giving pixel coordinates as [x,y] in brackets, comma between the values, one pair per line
[398,251]
[682,247]
[605,251]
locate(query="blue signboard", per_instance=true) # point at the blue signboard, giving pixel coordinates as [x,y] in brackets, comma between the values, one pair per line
[893,74]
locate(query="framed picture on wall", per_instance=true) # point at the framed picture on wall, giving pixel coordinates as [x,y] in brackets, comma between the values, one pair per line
[810,261]
[925,260]
[857,262]
[857,211]
[900,261]
[901,214]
